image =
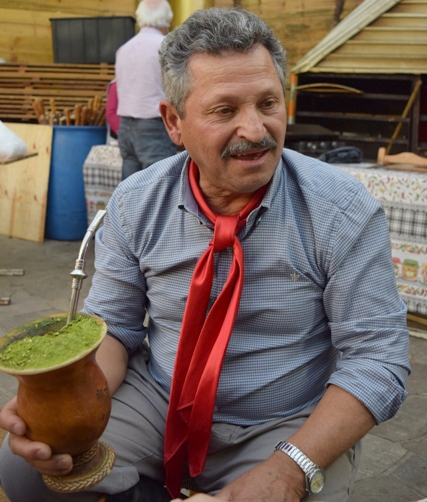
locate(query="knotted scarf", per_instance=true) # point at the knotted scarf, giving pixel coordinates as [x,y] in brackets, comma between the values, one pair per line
[203,343]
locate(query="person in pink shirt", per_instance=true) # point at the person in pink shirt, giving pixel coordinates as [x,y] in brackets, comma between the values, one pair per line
[143,139]
[113,120]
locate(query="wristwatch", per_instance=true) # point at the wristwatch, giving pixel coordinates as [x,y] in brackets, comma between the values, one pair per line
[314,475]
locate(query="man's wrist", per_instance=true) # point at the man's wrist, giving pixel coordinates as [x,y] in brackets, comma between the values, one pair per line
[291,473]
[314,475]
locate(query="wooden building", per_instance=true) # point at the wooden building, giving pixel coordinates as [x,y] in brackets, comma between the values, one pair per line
[367,79]
[26,35]
[25,26]
[298,24]
[29,71]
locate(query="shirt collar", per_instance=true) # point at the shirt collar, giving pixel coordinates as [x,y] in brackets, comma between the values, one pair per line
[188,203]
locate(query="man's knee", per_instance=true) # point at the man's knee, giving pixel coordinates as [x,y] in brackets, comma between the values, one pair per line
[23,483]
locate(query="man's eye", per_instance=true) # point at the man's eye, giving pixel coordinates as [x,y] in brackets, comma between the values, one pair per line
[269,103]
[224,111]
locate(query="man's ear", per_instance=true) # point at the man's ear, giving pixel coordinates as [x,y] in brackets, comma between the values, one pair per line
[171,120]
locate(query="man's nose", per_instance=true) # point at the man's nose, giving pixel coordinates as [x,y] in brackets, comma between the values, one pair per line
[251,125]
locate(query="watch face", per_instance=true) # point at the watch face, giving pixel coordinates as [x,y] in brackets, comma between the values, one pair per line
[317,481]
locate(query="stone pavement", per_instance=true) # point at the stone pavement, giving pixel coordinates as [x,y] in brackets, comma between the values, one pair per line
[394,461]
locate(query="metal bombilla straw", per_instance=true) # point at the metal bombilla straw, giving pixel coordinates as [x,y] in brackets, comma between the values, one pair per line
[79,273]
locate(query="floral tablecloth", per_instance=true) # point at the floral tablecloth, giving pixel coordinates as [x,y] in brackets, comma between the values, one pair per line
[404,198]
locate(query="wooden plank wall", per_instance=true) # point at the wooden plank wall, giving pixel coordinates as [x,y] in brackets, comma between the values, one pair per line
[299,24]
[26,37]
[25,28]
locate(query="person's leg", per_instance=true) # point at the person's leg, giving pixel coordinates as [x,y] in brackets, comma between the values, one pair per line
[135,432]
[151,142]
[234,450]
[146,490]
[22,483]
[340,477]
[130,161]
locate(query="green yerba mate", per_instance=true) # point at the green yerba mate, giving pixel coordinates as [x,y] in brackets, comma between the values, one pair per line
[52,348]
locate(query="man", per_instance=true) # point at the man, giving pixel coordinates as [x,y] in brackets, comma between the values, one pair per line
[300,353]
[143,139]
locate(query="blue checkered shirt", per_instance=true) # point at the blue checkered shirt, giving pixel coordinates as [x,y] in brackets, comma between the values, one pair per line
[319,304]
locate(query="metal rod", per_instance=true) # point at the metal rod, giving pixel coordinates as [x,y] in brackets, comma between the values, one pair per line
[78,274]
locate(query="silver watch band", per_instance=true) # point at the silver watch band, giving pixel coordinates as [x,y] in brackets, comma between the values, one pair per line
[314,475]
[297,456]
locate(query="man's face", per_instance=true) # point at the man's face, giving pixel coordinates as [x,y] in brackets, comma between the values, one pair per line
[234,121]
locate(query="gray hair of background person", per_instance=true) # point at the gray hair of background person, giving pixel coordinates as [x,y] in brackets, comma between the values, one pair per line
[155,13]
[213,31]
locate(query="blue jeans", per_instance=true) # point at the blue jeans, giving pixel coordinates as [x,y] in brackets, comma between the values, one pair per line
[143,142]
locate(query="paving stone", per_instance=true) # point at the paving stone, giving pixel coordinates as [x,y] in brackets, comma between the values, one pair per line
[418,351]
[22,302]
[415,406]
[413,472]
[45,255]
[418,446]
[8,388]
[38,289]
[408,423]
[378,455]
[383,489]
[417,381]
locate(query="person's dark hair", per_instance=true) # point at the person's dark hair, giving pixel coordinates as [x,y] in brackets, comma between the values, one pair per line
[213,31]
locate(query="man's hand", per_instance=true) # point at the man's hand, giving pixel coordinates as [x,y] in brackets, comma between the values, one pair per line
[39,455]
[277,479]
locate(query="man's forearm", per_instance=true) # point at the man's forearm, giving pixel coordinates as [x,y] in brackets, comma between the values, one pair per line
[112,359]
[338,422]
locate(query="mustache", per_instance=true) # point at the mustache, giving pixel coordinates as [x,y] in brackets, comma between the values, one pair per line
[245,145]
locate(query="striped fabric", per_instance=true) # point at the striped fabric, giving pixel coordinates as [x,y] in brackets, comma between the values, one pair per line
[319,302]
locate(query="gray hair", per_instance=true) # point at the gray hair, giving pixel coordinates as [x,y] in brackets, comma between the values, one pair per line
[213,31]
[155,13]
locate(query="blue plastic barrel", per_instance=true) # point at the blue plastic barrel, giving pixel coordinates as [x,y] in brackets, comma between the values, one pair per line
[66,217]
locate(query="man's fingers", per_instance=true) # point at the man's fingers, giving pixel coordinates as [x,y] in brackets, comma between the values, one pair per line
[9,420]
[30,450]
[39,455]
[57,465]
